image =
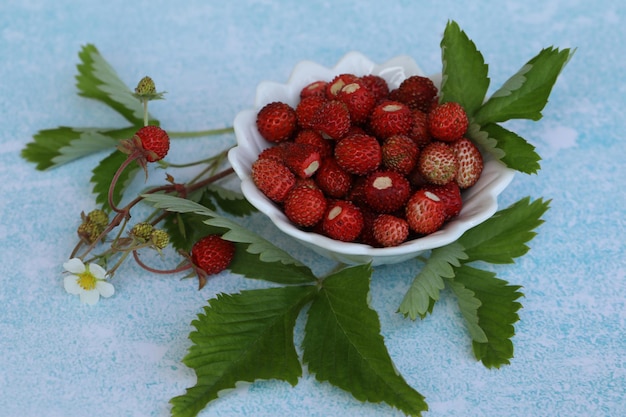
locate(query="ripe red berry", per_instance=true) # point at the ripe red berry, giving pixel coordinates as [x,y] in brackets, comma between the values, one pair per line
[470,162]
[306,110]
[359,100]
[337,83]
[155,141]
[333,180]
[272,178]
[212,254]
[311,137]
[302,159]
[416,91]
[305,206]
[386,191]
[377,85]
[316,88]
[437,163]
[389,230]
[400,154]
[425,212]
[450,195]
[276,122]
[342,221]
[448,121]
[419,131]
[390,118]
[358,154]
[332,120]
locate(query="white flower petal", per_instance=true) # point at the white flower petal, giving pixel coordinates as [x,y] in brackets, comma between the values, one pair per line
[75,266]
[90,297]
[97,271]
[105,289]
[70,283]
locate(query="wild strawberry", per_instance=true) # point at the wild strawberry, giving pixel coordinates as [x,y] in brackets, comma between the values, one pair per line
[419,130]
[386,191]
[316,88]
[470,162]
[155,141]
[276,122]
[273,152]
[367,232]
[399,153]
[272,178]
[212,254]
[357,193]
[425,212]
[447,122]
[358,154]
[302,159]
[377,85]
[450,195]
[416,91]
[342,221]
[333,180]
[305,206]
[332,120]
[337,83]
[390,118]
[389,230]
[359,100]
[311,137]
[306,110]
[437,163]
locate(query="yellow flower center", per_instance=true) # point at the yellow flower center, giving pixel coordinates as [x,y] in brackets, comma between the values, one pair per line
[87,281]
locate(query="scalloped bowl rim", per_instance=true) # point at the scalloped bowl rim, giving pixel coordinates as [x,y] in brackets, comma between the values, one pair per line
[480,201]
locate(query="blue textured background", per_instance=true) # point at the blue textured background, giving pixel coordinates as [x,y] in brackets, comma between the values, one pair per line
[123,357]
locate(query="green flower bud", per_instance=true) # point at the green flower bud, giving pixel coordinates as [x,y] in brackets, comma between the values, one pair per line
[98,217]
[160,238]
[146,86]
[89,231]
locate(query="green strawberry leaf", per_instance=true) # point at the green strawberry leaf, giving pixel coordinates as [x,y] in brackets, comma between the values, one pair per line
[424,291]
[510,148]
[229,201]
[96,79]
[468,305]
[496,314]
[103,175]
[256,245]
[525,94]
[54,147]
[185,229]
[343,344]
[242,337]
[464,74]
[503,237]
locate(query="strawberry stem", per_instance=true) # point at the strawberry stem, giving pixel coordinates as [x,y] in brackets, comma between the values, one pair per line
[116,177]
[182,268]
[200,133]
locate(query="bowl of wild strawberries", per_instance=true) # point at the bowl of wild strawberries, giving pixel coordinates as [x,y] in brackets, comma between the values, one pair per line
[361,163]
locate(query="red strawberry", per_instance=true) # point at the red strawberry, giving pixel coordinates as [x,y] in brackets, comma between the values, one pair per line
[390,230]
[273,152]
[470,162]
[316,88]
[425,212]
[447,122]
[311,137]
[342,221]
[377,85]
[333,180]
[272,178]
[359,100]
[332,120]
[367,232]
[276,122]
[305,206]
[450,195]
[212,254]
[155,141]
[390,118]
[386,191]
[437,163]
[416,91]
[337,83]
[399,153]
[306,110]
[419,131]
[358,154]
[302,159]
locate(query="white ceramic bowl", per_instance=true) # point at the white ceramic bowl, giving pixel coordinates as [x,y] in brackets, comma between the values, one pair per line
[480,201]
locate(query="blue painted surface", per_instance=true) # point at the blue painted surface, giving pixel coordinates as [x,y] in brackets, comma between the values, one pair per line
[123,357]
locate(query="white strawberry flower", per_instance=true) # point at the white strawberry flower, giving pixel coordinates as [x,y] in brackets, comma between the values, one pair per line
[87,281]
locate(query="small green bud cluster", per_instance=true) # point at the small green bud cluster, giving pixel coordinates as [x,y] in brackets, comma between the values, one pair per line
[145,233]
[93,225]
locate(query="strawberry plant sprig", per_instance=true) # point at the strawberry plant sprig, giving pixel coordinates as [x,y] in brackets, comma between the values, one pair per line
[250,335]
